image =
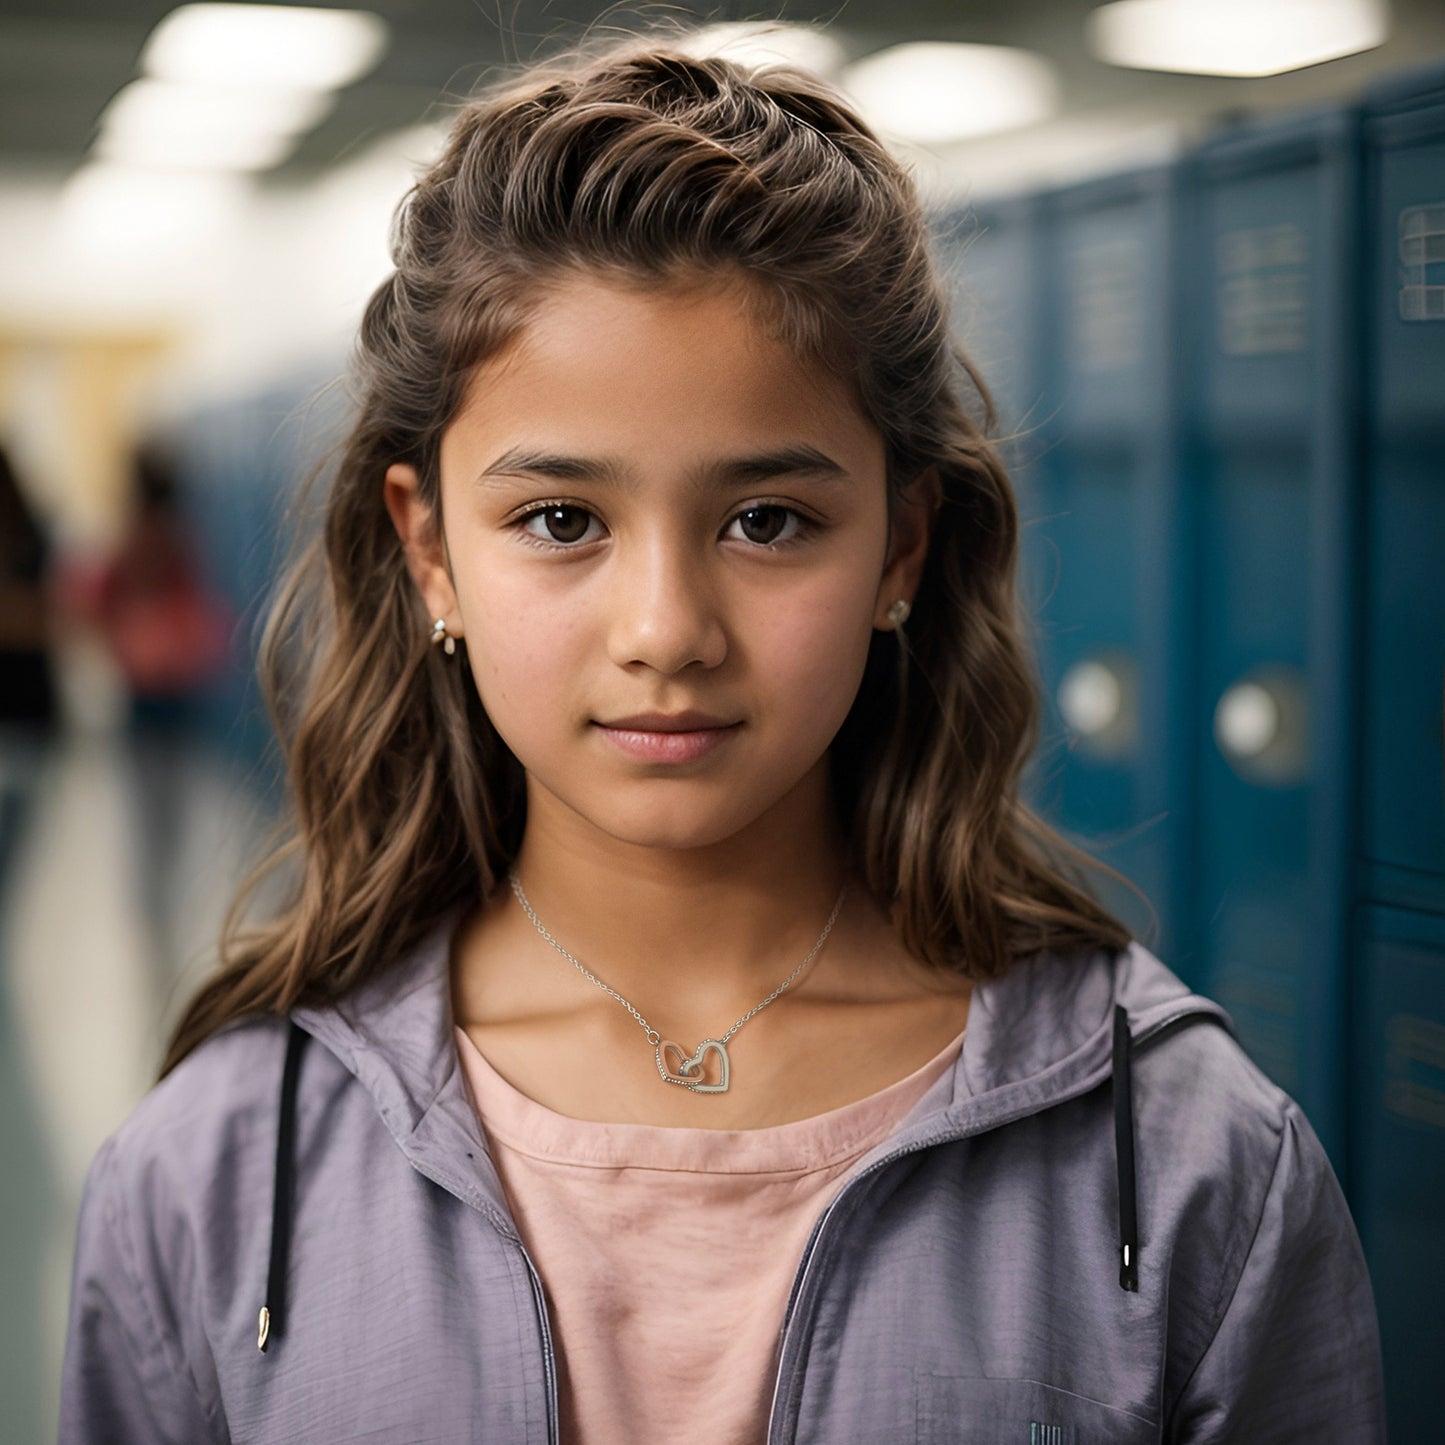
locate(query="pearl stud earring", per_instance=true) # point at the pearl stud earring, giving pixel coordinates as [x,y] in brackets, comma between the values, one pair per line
[898,612]
[439,634]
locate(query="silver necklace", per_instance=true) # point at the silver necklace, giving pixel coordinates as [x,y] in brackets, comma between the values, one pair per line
[688,1071]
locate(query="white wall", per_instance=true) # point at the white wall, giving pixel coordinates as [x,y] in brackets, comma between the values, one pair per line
[249,282]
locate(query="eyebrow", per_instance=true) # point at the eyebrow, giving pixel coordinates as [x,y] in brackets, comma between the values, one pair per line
[795,460]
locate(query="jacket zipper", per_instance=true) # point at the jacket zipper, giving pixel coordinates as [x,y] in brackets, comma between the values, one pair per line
[800,1280]
[539,1299]
[549,1359]
[805,1267]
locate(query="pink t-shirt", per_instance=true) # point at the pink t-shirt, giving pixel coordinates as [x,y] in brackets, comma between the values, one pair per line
[668,1254]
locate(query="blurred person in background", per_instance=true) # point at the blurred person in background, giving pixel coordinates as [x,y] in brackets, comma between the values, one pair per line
[29,700]
[30,719]
[169,634]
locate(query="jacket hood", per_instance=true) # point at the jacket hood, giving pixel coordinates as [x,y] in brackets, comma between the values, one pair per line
[1033,1034]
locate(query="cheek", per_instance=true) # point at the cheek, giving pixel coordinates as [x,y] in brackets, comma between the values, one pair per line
[819,648]
[523,651]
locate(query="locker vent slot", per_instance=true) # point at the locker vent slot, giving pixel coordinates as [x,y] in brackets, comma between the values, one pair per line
[1106,304]
[1415,1069]
[1263,290]
[1422,263]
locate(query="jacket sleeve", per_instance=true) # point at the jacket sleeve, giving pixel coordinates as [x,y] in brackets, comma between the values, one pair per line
[125,1380]
[1296,1354]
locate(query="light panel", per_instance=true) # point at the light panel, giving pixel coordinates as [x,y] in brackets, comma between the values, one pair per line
[934,92]
[166,125]
[284,46]
[1234,37]
[117,212]
[768,43]
[196,151]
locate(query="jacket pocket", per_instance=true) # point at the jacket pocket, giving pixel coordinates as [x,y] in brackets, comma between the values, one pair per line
[961,1410]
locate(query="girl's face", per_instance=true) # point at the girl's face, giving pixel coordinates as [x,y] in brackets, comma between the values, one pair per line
[668,547]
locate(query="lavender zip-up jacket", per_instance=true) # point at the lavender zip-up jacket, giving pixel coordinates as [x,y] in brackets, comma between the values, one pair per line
[965,1285]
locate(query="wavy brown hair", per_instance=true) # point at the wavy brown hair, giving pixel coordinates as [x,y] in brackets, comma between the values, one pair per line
[648,166]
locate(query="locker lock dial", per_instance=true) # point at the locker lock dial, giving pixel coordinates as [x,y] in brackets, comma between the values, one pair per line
[1099,700]
[1261,726]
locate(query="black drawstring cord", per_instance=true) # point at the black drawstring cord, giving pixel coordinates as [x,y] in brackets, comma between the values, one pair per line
[1124,1153]
[273,1311]
[272,1320]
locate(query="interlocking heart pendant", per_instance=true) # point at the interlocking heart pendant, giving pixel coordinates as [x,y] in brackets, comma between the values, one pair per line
[688,1071]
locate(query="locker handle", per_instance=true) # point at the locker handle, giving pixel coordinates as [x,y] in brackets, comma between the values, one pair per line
[1261,726]
[1098,698]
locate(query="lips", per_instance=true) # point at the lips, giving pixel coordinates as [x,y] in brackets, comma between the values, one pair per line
[659,722]
[659,737]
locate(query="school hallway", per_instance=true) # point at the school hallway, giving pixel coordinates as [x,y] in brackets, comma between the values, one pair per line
[115,871]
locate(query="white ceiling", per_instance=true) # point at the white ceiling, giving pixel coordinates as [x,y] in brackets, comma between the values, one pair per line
[62,60]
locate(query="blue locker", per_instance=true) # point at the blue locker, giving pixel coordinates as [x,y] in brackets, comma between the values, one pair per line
[1405,423]
[1398,1154]
[1397,1165]
[1115,626]
[989,253]
[244,460]
[1273,406]
[223,448]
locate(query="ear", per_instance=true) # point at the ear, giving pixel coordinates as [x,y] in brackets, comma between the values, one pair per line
[419,528]
[911,525]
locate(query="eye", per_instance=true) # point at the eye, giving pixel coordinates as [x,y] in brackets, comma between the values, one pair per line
[558,523]
[766,524]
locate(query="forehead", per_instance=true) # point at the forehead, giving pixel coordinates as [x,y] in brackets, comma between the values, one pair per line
[607,363]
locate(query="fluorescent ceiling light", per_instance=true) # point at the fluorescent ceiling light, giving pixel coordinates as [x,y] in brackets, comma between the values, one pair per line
[761,42]
[118,212]
[157,123]
[196,151]
[933,92]
[287,46]
[150,105]
[1234,37]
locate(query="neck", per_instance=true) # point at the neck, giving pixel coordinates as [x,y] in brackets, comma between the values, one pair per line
[705,931]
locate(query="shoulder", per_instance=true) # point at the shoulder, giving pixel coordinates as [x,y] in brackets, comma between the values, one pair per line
[1210,1126]
[1269,1295]
[204,1137]
[1194,1078]
[1235,1187]
[221,1092]
[1053,1013]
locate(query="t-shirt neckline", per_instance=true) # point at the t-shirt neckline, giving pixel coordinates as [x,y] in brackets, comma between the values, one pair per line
[802,1145]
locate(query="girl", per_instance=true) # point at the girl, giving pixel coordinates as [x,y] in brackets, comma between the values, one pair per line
[677,1026]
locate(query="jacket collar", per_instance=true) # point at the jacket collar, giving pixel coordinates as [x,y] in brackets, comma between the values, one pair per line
[1043,1033]
[1038,1035]
[394,1033]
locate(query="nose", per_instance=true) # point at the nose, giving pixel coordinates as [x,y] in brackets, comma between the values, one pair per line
[665,609]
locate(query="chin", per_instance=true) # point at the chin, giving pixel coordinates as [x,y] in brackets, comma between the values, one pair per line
[674,826]
[670,835]
[675,816]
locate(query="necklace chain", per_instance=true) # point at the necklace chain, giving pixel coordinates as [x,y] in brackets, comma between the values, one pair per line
[653,1037]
